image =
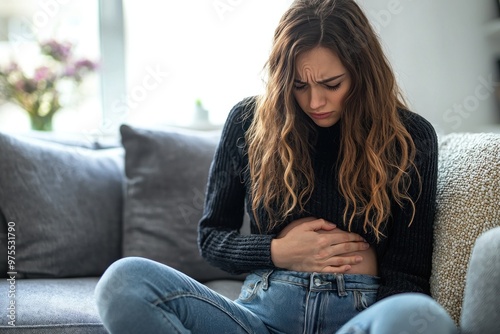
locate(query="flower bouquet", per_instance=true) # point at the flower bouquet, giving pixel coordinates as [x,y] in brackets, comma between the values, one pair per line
[39,92]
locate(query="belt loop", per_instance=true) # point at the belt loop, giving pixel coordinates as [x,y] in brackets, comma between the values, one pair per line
[265,279]
[341,285]
[313,280]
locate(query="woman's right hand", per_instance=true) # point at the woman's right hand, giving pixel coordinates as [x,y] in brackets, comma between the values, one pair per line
[315,245]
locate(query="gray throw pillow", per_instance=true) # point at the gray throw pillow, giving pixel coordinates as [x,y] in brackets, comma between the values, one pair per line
[66,204]
[167,173]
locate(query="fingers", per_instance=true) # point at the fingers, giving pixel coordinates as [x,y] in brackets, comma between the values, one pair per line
[294,224]
[340,264]
[347,247]
[339,261]
[320,224]
[339,236]
[337,264]
[336,270]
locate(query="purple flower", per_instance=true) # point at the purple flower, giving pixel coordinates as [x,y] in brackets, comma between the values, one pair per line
[78,69]
[85,64]
[58,51]
[69,71]
[42,74]
[30,91]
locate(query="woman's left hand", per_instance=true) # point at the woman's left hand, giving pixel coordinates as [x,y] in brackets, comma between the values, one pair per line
[315,245]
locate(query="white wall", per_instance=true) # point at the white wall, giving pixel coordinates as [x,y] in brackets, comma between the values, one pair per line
[443,58]
[213,50]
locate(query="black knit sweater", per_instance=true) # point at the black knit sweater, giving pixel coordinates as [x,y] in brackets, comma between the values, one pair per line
[404,255]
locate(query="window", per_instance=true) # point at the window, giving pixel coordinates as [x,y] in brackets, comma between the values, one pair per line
[180,51]
[22,24]
[158,57]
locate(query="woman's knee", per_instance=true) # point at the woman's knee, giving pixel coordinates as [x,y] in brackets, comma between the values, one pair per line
[480,303]
[416,313]
[487,244]
[403,313]
[117,280]
[126,279]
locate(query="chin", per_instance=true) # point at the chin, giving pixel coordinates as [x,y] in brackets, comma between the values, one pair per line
[325,123]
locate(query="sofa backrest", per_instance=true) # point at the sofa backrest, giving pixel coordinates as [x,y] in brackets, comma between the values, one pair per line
[467,201]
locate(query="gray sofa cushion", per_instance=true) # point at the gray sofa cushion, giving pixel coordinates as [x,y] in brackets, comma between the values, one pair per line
[167,174]
[53,306]
[67,305]
[66,203]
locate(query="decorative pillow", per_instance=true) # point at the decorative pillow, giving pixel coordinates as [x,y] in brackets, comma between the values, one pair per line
[167,173]
[66,204]
[468,197]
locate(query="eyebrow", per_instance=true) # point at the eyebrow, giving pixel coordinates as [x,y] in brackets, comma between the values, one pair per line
[322,81]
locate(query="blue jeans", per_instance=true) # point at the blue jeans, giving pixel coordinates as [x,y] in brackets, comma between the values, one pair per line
[136,295]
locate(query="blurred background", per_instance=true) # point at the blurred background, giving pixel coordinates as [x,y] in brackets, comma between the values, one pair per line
[186,63]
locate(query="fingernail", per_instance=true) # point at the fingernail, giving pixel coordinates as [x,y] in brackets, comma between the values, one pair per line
[359,259]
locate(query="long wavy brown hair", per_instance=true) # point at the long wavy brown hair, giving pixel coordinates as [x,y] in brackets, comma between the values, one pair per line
[377,151]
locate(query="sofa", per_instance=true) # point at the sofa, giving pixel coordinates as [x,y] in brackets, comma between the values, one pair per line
[69,207]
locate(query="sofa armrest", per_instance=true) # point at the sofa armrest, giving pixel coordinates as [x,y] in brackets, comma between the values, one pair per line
[468,193]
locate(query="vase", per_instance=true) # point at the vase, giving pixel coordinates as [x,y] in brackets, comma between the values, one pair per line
[41,123]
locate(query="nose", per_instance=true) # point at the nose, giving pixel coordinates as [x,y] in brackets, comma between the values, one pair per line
[316,99]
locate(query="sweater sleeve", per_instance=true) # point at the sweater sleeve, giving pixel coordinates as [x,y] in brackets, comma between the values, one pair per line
[405,265]
[219,239]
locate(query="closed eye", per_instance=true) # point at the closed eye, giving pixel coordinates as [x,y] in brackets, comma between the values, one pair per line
[329,87]
[299,86]
[335,87]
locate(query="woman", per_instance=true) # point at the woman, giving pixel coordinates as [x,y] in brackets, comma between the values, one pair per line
[339,180]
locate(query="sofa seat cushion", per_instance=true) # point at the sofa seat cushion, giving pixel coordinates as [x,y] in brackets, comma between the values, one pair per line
[53,306]
[67,305]
[468,197]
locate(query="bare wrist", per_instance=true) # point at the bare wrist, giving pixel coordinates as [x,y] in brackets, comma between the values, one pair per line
[274,252]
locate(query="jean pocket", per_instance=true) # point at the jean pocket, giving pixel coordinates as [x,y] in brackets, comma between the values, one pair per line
[364,298]
[250,288]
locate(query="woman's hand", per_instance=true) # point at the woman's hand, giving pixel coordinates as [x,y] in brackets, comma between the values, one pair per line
[315,245]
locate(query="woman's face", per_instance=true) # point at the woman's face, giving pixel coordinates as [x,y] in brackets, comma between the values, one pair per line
[320,86]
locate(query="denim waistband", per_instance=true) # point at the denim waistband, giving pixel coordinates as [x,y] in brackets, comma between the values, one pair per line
[320,281]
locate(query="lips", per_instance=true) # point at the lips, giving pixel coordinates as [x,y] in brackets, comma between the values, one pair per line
[321,115]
